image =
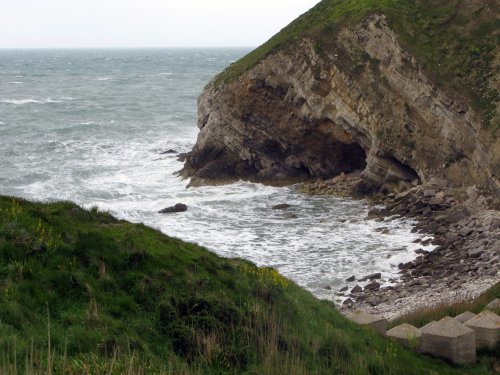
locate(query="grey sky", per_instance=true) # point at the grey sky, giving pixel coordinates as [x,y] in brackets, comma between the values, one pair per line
[144,23]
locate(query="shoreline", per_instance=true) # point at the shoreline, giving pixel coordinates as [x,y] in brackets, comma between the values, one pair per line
[464,224]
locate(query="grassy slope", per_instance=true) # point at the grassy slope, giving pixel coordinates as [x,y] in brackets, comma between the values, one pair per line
[456,48]
[116,291]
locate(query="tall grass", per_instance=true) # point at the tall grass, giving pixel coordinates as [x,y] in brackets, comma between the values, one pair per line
[423,315]
[85,293]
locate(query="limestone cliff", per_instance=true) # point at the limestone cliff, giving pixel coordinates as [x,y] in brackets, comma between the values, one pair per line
[362,101]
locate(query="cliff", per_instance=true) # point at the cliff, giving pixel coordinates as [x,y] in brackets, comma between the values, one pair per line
[403,91]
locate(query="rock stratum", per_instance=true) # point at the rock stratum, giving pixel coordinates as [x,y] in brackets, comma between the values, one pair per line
[358,90]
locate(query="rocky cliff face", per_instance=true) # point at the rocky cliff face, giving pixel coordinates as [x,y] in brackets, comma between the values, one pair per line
[364,104]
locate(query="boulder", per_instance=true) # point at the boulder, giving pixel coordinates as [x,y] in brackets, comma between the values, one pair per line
[486,325]
[179,207]
[372,286]
[406,334]
[356,289]
[281,206]
[169,151]
[375,322]
[350,279]
[348,303]
[449,339]
[373,276]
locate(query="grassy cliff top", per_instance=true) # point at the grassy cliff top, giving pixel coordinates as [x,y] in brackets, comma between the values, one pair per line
[87,293]
[455,40]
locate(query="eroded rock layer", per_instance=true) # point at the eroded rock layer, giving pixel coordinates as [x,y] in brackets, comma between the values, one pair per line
[364,104]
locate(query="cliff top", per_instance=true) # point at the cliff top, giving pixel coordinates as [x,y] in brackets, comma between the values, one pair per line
[456,42]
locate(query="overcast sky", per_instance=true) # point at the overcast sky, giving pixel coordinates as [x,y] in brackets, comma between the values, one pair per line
[144,23]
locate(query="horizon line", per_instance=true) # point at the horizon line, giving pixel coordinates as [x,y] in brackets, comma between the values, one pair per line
[122,47]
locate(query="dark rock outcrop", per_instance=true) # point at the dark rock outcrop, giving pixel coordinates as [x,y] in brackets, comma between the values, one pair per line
[299,113]
[179,207]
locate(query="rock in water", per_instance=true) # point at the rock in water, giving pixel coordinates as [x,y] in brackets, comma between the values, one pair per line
[179,207]
[281,206]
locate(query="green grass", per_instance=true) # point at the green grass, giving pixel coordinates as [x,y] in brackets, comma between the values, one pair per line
[457,49]
[83,292]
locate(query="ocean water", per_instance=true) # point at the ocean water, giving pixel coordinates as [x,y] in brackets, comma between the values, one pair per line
[92,126]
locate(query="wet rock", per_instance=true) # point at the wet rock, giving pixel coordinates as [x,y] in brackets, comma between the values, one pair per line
[169,151]
[179,207]
[356,289]
[405,266]
[344,289]
[348,303]
[376,213]
[182,157]
[281,206]
[373,276]
[351,279]
[372,286]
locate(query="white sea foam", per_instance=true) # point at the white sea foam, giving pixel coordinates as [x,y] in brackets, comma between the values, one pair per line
[35,101]
[19,101]
[106,152]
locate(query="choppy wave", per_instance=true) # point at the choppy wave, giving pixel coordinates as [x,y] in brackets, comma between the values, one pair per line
[105,149]
[35,101]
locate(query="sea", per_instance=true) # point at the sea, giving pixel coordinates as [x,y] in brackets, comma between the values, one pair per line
[104,128]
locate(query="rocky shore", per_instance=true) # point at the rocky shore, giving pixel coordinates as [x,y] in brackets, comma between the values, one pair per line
[361,104]
[463,224]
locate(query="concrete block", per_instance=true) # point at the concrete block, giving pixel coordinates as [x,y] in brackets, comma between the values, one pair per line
[494,305]
[375,322]
[462,318]
[449,339]
[486,325]
[406,334]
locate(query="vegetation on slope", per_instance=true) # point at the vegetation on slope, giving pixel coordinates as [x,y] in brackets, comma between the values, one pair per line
[456,46]
[83,292]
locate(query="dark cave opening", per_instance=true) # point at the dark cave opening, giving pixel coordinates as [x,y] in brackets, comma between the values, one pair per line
[352,157]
